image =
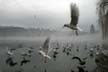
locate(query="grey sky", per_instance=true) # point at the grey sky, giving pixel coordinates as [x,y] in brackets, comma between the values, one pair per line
[45,13]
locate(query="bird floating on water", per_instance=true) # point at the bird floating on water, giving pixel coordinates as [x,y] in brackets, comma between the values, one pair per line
[9,52]
[45,49]
[74,18]
[10,62]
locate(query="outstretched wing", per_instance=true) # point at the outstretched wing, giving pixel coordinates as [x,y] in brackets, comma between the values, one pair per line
[79,29]
[46,45]
[77,58]
[74,14]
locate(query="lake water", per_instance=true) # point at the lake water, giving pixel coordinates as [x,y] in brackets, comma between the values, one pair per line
[63,62]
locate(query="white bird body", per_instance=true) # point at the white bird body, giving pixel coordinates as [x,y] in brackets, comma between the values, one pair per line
[97,53]
[74,27]
[44,54]
[44,50]
[9,52]
[79,29]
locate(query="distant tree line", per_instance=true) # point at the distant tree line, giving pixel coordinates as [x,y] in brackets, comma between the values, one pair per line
[20,31]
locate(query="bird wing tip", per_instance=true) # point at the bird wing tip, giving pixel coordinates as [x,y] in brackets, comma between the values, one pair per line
[79,29]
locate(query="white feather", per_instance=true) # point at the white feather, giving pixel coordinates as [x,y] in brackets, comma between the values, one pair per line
[44,55]
[47,56]
[79,29]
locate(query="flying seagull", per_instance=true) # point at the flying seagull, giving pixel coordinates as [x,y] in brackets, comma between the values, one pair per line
[81,62]
[11,62]
[44,50]
[24,61]
[74,18]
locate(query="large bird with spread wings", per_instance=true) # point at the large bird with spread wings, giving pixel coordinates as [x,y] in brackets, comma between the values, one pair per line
[74,18]
[45,49]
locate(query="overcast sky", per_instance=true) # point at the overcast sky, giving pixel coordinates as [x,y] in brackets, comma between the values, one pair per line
[45,13]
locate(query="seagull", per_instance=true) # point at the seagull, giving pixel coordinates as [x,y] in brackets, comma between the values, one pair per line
[64,49]
[81,62]
[24,61]
[55,55]
[11,62]
[8,60]
[85,58]
[57,46]
[74,18]
[91,49]
[91,52]
[30,50]
[9,52]
[97,53]
[44,50]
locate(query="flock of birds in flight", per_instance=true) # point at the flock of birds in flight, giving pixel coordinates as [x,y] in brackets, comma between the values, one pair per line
[45,49]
